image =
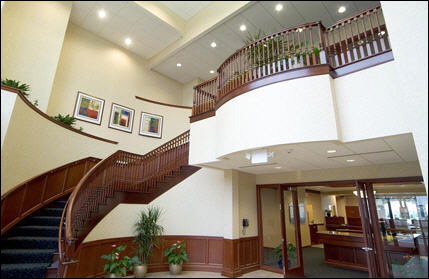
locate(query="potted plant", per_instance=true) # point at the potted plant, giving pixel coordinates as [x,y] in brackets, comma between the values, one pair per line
[176,254]
[328,212]
[278,251]
[147,235]
[115,266]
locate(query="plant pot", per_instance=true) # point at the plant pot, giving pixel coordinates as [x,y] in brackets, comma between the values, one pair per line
[175,269]
[112,275]
[140,270]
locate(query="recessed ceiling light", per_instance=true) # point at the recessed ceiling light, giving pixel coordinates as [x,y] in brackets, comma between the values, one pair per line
[211,72]
[213,44]
[331,151]
[299,30]
[101,13]
[279,7]
[243,27]
[128,41]
[341,9]
[277,167]
[350,160]
[179,65]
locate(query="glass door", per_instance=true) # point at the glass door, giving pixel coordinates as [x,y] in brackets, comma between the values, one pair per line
[292,215]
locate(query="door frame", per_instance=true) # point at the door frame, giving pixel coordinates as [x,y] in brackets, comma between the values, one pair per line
[338,183]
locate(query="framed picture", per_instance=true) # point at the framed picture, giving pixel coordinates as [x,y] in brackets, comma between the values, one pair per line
[301,208]
[151,125]
[88,108]
[121,118]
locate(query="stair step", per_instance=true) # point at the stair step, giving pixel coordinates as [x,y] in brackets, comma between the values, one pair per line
[51,211]
[43,221]
[29,270]
[30,242]
[36,231]
[9,256]
[58,204]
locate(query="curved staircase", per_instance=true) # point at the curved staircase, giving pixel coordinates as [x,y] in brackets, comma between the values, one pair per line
[122,177]
[30,248]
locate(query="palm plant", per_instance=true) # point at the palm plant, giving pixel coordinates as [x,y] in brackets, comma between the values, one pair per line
[66,119]
[23,87]
[148,232]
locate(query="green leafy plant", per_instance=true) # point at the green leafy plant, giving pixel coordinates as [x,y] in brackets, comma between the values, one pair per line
[291,251]
[36,103]
[115,264]
[148,232]
[176,254]
[23,87]
[66,119]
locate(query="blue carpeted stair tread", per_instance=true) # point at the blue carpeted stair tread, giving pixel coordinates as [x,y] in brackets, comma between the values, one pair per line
[30,242]
[44,220]
[29,270]
[52,211]
[33,230]
[10,256]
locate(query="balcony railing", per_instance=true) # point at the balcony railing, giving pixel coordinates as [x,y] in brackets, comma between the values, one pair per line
[347,41]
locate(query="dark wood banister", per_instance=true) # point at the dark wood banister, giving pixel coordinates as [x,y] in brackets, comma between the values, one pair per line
[120,172]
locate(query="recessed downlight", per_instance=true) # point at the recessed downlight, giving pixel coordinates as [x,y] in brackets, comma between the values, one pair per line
[243,27]
[299,30]
[350,160]
[213,44]
[179,65]
[128,41]
[279,7]
[341,9]
[278,167]
[331,151]
[212,71]
[101,13]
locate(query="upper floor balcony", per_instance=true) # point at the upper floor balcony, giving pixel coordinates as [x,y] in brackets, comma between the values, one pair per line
[352,44]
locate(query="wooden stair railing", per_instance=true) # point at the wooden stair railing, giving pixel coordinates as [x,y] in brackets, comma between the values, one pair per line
[348,41]
[36,192]
[122,177]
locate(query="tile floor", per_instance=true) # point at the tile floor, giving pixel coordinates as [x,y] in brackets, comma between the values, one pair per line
[200,274]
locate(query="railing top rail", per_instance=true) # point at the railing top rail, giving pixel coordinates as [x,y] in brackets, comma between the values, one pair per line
[311,24]
[376,7]
[205,82]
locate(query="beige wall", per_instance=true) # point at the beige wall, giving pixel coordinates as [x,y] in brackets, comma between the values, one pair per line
[188,92]
[32,33]
[34,145]
[247,203]
[95,66]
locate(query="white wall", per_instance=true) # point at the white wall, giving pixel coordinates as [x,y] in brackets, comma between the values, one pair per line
[408,31]
[7,105]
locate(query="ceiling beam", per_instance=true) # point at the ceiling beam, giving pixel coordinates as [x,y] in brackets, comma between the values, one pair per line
[200,24]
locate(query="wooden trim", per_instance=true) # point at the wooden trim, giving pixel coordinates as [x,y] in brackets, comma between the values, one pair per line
[36,201]
[140,124]
[275,78]
[163,104]
[362,64]
[312,191]
[202,116]
[110,118]
[33,107]
[75,105]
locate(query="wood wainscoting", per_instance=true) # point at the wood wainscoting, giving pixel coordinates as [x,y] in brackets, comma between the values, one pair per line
[205,253]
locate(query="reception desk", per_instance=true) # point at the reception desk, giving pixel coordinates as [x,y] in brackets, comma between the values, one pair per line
[344,249]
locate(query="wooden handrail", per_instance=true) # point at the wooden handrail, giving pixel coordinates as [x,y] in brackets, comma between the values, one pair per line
[44,115]
[121,172]
[348,41]
[29,203]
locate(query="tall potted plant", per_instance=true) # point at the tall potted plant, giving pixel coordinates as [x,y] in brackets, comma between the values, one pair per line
[147,235]
[176,254]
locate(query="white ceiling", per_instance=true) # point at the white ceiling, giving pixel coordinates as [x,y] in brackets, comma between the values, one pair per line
[125,19]
[311,156]
[186,9]
[199,58]
[385,189]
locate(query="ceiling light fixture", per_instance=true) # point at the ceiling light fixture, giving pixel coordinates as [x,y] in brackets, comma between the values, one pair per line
[128,41]
[101,13]
[213,44]
[299,30]
[277,167]
[331,151]
[179,65]
[341,9]
[243,27]
[351,160]
[211,72]
[279,7]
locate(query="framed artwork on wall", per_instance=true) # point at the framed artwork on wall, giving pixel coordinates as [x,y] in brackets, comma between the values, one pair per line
[301,208]
[121,118]
[151,125]
[88,108]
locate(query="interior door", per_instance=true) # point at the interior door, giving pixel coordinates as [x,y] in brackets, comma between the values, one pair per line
[291,233]
[371,232]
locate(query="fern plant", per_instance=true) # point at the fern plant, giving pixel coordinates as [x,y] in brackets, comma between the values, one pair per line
[67,119]
[23,87]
